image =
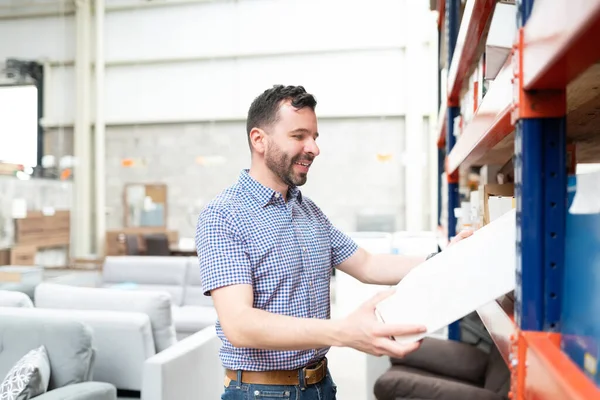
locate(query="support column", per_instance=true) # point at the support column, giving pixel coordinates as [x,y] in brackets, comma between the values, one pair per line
[452,25]
[99,134]
[414,153]
[81,221]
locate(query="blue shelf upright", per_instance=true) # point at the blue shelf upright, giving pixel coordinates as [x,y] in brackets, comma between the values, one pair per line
[452,25]
[541,194]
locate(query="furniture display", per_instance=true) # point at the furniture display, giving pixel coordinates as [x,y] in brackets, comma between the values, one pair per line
[179,276]
[130,241]
[145,205]
[445,370]
[125,355]
[70,349]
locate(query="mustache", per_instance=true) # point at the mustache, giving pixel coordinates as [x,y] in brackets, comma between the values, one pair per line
[306,157]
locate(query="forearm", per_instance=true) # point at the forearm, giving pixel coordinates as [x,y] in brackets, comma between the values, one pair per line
[260,329]
[389,269]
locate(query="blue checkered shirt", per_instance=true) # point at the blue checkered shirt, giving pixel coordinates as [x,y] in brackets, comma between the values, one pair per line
[285,250]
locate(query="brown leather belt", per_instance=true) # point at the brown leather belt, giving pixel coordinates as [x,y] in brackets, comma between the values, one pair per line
[312,375]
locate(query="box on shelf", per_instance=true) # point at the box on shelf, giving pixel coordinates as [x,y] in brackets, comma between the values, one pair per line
[580,325]
[500,39]
[496,200]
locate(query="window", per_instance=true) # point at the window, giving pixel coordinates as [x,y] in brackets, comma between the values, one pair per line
[18,125]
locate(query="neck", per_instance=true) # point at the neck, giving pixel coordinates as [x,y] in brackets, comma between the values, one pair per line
[262,174]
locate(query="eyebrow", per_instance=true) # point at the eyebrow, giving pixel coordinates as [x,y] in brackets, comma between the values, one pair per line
[302,130]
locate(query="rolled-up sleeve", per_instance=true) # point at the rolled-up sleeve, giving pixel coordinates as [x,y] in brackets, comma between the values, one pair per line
[221,251]
[342,246]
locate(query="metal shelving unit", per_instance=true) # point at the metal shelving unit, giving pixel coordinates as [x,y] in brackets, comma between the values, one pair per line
[546,95]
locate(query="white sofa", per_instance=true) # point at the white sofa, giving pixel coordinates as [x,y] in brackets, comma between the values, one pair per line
[132,327]
[124,353]
[179,276]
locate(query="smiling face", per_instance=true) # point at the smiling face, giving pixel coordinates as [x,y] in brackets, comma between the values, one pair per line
[287,147]
[290,146]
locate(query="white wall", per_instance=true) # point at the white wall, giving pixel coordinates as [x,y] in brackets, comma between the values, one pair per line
[174,62]
[208,60]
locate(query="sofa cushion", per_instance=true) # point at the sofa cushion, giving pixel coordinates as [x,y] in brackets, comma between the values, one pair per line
[191,319]
[28,378]
[157,305]
[68,344]
[403,382]
[448,358]
[167,273]
[176,292]
[9,298]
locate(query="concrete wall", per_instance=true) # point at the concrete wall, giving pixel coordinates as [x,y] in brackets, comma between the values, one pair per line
[197,161]
[180,76]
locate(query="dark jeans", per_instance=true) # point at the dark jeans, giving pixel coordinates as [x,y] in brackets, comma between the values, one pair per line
[324,390]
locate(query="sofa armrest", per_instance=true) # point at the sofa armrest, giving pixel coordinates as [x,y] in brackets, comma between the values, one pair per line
[188,370]
[82,391]
[448,358]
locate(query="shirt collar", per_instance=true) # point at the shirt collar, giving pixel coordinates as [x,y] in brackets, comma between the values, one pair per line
[263,194]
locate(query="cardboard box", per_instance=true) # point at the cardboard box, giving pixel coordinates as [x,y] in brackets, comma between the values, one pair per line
[506,190]
[22,255]
[4,256]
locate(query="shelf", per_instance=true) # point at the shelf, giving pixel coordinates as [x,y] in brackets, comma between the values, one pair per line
[491,124]
[497,316]
[560,42]
[551,375]
[474,26]
[489,137]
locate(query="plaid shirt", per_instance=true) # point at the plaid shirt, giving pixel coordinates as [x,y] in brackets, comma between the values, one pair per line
[285,250]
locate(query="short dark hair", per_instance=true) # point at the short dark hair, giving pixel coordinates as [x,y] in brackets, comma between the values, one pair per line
[264,109]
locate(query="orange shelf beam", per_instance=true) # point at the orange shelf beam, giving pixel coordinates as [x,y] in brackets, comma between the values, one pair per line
[441,9]
[498,318]
[560,42]
[441,126]
[472,28]
[550,373]
[490,124]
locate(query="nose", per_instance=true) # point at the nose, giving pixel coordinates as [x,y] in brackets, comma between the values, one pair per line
[311,147]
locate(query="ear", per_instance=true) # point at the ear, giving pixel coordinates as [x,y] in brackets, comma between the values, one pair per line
[257,140]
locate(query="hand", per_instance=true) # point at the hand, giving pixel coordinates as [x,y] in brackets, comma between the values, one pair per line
[462,235]
[362,331]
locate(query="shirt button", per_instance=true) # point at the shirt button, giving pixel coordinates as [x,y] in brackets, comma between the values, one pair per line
[277,195]
[310,283]
[305,249]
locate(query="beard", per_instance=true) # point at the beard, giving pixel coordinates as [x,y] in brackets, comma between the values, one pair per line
[282,165]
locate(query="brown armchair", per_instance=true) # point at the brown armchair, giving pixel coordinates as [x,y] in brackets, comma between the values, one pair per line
[445,370]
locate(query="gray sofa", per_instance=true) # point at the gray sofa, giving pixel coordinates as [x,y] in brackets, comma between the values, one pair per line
[136,338]
[178,276]
[70,352]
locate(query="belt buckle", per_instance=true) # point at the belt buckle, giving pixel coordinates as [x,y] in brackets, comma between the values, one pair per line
[318,369]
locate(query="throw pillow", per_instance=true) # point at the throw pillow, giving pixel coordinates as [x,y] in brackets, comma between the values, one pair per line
[28,378]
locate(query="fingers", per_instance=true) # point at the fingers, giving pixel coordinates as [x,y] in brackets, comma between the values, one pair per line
[394,349]
[390,330]
[465,234]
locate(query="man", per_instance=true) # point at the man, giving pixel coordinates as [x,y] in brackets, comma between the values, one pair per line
[266,256]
